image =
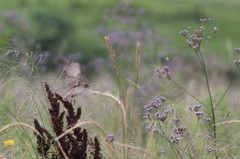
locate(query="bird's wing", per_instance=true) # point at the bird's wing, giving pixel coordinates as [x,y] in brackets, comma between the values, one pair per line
[72,74]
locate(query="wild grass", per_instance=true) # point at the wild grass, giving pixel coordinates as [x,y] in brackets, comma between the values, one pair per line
[143,117]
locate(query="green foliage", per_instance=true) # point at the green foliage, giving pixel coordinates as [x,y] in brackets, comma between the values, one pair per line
[69,27]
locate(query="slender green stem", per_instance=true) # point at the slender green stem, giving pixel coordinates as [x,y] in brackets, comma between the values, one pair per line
[230,85]
[171,144]
[149,142]
[187,92]
[211,101]
[195,130]
[118,79]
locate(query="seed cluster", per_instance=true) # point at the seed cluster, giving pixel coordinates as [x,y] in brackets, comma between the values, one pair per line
[74,145]
[164,72]
[155,111]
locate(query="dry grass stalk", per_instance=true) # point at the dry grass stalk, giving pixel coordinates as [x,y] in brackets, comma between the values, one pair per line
[138,58]
[111,52]
[17,124]
[117,100]
[64,154]
[79,125]
[137,149]
[228,122]
[136,85]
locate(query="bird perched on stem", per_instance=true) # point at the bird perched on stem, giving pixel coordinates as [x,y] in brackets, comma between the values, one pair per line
[74,81]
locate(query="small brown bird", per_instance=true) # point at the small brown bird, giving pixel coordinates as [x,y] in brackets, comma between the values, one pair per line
[74,80]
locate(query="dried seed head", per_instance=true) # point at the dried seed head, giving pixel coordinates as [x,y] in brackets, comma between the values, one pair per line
[155,129]
[167,111]
[111,52]
[166,68]
[148,127]
[147,116]
[163,72]
[190,43]
[196,47]
[137,57]
[204,20]
[207,119]
[163,99]
[208,138]
[202,28]
[175,139]
[161,116]
[110,138]
[200,32]
[176,120]
[156,103]
[148,108]
[194,38]
[214,30]
[166,59]
[180,131]
[199,40]
[183,33]
[210,149]
[152,128]
[199,114]
[158,73]
[197,107]
[237,50]
[237,62]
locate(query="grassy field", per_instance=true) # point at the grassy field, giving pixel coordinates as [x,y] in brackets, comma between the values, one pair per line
[158,98]
[132,117]
[49,23]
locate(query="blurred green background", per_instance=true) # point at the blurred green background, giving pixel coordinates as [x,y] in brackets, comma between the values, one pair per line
[62,30]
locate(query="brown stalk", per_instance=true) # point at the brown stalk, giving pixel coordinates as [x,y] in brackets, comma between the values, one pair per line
[137,149]
[111,52]
[138,58]
[79,125]
[119,103]
[21,124]
[228,122]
